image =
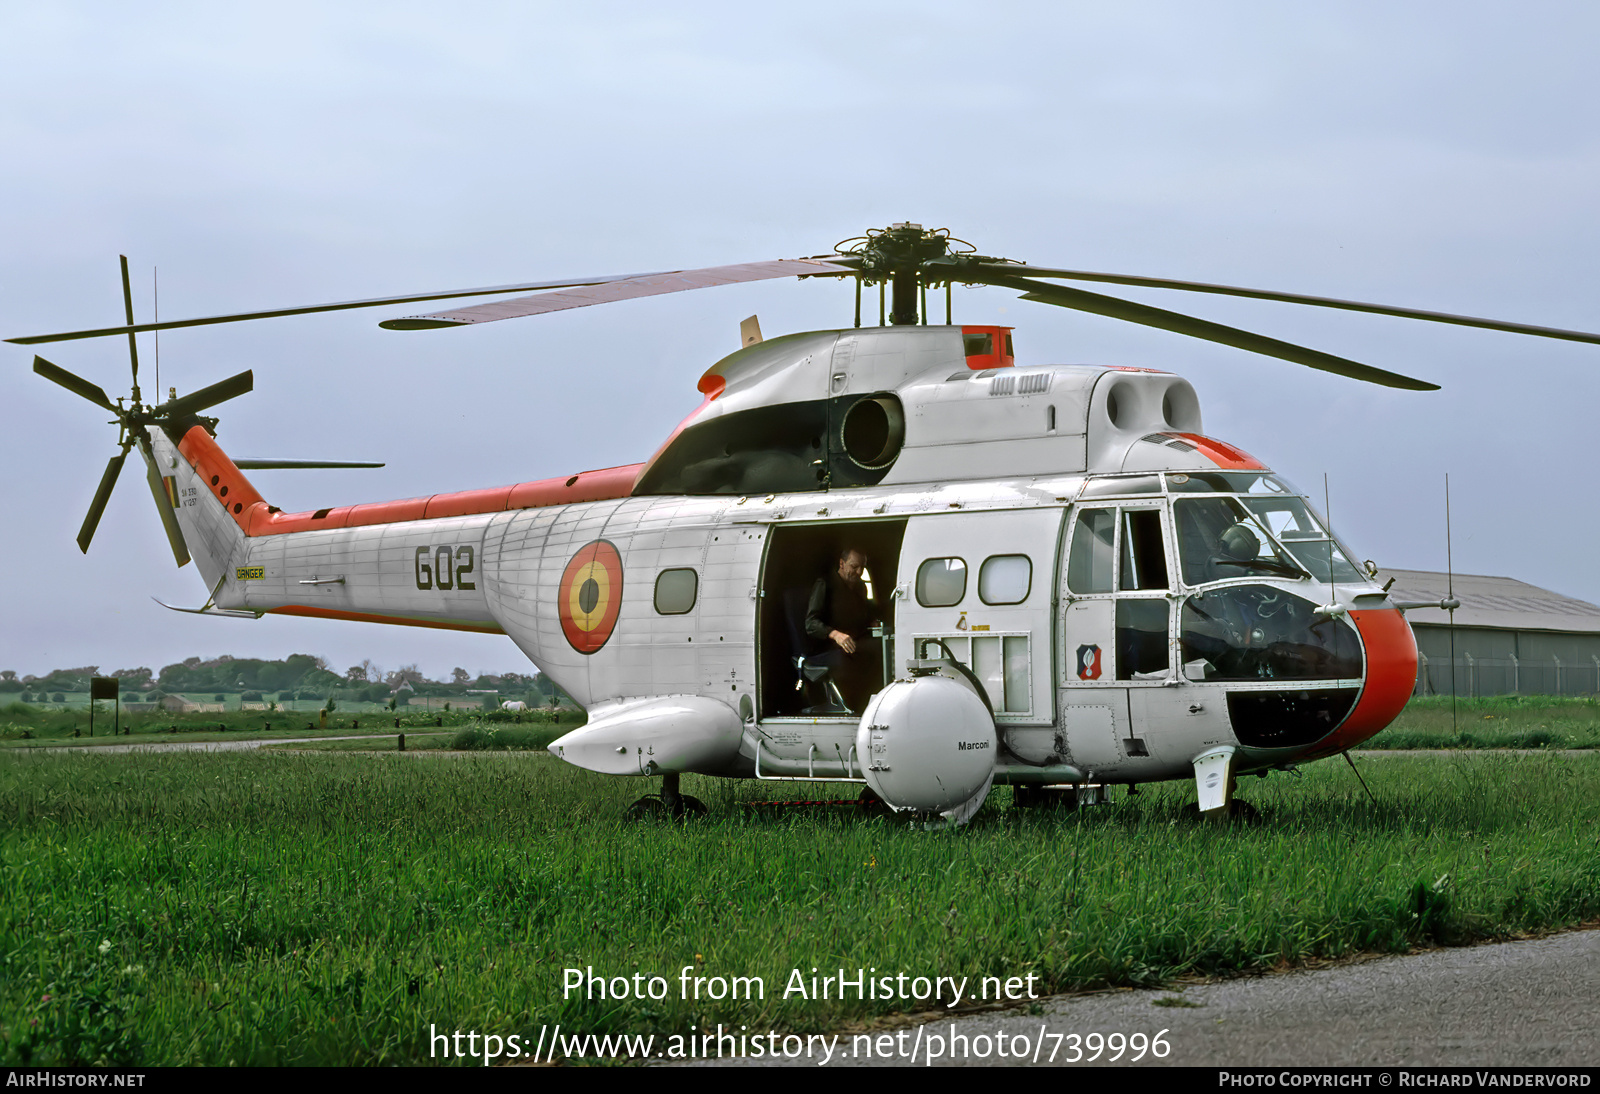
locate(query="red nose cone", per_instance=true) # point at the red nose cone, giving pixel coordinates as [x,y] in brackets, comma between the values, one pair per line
[1390,677]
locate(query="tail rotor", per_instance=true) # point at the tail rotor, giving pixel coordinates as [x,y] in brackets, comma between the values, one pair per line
[134,421]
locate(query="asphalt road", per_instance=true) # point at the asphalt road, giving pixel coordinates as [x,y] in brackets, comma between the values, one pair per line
[1511,1004]
[214,746]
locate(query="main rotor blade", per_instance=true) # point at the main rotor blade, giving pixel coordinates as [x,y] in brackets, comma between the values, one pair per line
[248,464]
[133,342]
[101,495]
[380,301]
[1110,306]
[164,504]
[618,289]
[75,384]
[221,391]
[1294,298]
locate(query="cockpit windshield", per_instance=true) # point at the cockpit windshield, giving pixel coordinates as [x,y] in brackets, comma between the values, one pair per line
[1293,525]
[1272,503]
[1219,539]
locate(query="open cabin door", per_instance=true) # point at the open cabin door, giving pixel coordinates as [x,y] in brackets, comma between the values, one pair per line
[797,556]
[983,583]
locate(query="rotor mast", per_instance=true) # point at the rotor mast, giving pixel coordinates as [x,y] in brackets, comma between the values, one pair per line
[906,256]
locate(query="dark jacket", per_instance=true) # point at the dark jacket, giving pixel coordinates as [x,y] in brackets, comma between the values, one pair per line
[836,605]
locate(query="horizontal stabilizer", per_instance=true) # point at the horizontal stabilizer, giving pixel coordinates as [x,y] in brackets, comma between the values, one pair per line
[207,609]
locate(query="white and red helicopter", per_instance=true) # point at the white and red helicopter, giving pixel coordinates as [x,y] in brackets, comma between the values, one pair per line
[1075,586]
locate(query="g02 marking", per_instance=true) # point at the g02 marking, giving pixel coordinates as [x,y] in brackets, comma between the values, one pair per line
[445,567]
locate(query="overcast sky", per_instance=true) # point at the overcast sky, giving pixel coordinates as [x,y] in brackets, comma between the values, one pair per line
[1430,155]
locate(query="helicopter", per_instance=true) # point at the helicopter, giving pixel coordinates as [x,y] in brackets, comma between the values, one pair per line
[1071,585]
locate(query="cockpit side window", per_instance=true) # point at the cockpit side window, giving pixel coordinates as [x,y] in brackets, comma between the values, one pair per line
[1144,552]
[1089,567]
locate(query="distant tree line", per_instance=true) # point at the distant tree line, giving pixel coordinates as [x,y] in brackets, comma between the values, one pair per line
[298,676]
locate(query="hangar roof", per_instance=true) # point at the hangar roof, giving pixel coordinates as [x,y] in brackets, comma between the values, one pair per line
[1501,602]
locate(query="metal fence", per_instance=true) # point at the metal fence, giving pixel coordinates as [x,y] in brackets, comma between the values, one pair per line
[1481,676]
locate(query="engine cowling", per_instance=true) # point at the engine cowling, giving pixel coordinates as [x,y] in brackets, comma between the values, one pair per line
[928,745]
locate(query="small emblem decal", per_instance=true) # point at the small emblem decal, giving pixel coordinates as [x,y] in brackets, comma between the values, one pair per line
[1088,662]
[590,596]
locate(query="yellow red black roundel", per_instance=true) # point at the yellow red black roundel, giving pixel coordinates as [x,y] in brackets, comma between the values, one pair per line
[590,596]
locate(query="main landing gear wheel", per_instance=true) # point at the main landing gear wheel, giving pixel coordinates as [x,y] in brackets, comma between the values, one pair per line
[669,804]
[650,807]
[1042,797]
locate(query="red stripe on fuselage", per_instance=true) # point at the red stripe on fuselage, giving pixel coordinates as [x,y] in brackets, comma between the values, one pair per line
[1391,677]
[257,518]
[366,617]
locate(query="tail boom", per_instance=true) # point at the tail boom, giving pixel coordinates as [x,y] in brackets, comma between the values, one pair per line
[416,562]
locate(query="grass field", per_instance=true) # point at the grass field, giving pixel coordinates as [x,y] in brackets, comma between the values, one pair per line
[326,909]
[26,726]
[473,738]
[1509,721]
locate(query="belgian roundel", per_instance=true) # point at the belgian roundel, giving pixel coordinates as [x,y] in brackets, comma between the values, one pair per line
[590,596]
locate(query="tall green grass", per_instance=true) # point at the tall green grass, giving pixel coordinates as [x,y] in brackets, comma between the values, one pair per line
[23,725]
[326,909]
[1506,721]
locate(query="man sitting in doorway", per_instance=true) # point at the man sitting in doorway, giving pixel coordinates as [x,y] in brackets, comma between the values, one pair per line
[841,612]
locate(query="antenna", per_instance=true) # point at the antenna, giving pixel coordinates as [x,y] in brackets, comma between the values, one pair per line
[155,298]
[1327,509]
[1359,779]
[1450,594]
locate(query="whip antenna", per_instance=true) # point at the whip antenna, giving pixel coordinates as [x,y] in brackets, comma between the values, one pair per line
[1450,594]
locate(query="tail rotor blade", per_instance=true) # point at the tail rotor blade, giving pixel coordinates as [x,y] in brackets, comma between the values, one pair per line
[164,505]
[101,495]
[218,392]
[75,384]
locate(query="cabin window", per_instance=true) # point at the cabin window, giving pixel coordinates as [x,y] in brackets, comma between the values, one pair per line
[676,591]
[1093,551]
[941,582]
[1005,579]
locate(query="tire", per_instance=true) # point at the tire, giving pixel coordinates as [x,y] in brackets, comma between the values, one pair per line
[650,808]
